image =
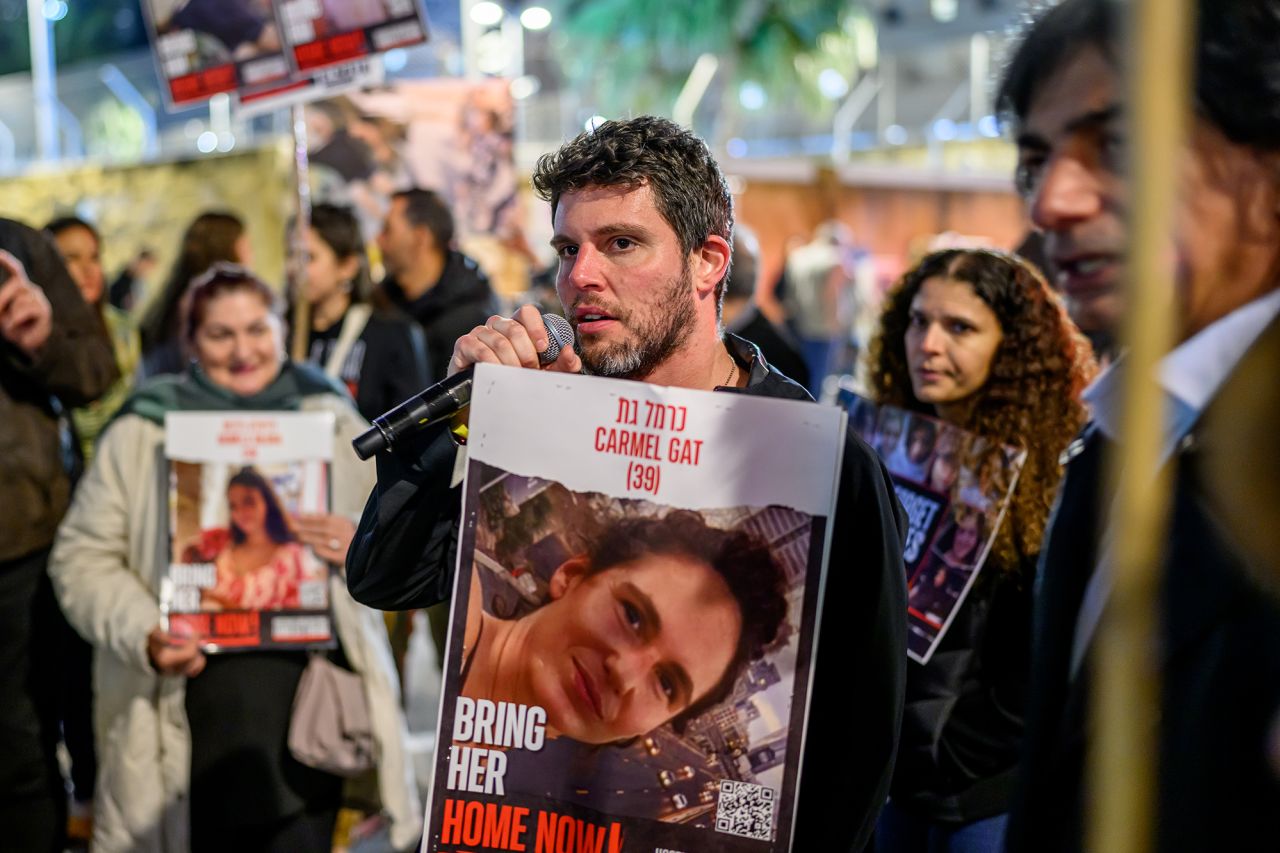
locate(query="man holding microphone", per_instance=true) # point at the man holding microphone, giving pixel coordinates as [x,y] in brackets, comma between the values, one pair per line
[643,225]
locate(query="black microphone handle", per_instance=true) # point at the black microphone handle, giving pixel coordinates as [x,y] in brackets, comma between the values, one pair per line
[445,398]
[441,400]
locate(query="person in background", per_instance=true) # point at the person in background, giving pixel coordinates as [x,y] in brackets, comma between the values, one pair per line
[819,276]
[197,756]
[442,290]
[80,246]
[54,353]
[212,236]
[978,339]
[439,287]
[1065,93]
[740,315]
[124,289]
[377,352]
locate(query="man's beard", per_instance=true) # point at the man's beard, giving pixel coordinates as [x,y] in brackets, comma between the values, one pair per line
[653,340]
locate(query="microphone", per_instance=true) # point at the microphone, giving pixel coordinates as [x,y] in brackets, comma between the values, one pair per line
[446,398]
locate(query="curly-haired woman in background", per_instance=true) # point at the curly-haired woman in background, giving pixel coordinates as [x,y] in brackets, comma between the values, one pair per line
[979,340]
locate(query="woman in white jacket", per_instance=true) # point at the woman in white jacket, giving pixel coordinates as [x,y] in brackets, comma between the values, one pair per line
[192,749]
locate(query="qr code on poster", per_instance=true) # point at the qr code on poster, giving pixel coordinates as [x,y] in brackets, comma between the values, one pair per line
[745,809]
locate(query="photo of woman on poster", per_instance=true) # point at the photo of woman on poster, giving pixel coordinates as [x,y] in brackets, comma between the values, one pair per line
[936,587]
[653,623]
[260,563]
[944,470]
[911,459]
[984,479]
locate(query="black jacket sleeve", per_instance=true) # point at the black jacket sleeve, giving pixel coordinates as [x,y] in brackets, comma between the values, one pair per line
[861,670]
[405,547]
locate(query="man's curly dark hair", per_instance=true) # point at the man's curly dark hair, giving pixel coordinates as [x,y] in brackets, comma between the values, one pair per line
[690,191]
[1031,398]
[747,565]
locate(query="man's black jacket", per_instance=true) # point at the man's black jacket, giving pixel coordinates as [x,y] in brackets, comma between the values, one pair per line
[461,300]
[1219,652]
[405,551]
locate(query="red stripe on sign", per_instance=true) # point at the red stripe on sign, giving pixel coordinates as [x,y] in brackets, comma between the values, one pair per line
[203,84]
[339,48]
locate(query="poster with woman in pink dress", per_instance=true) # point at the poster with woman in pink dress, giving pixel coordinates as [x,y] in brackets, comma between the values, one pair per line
[239,576]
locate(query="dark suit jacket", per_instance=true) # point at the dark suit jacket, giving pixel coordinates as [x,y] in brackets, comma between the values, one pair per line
[1220,661]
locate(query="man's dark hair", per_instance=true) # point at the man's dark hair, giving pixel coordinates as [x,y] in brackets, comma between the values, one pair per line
[688,188]
[1237,61]
[426,209]
[744,561]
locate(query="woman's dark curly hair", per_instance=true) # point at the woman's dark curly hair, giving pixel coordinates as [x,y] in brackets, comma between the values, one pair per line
[744,561]
[1032,392]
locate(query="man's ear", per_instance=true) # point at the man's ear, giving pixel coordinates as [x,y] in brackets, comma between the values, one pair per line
[710,263]
[566,577]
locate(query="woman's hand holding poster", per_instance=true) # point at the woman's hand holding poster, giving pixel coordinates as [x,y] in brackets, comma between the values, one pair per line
[633,618]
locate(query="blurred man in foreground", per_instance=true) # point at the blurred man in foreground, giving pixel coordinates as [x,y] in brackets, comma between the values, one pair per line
[1220,641]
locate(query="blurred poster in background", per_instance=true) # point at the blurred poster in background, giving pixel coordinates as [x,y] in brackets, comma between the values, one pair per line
[321,33]
[955,487]
[208,47]
[455,137]
[272,53]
